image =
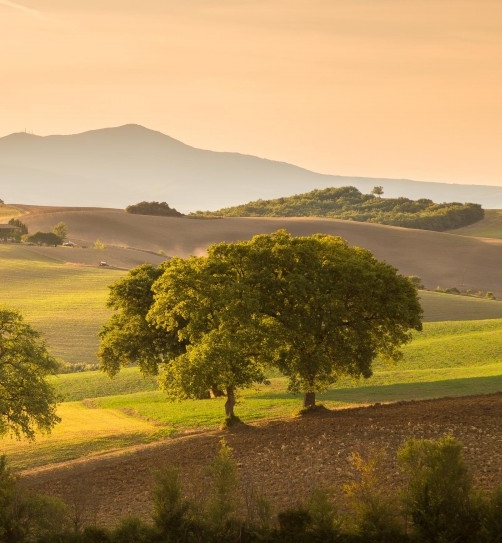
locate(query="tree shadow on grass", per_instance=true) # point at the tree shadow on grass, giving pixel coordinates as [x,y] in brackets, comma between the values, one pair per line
[368,394]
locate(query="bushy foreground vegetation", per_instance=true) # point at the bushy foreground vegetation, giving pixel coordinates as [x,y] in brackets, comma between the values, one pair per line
[435,502]
[349,203]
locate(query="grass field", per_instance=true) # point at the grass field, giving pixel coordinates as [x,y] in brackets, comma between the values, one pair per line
[102,414]
[459,352]
[66,304]
[489,227]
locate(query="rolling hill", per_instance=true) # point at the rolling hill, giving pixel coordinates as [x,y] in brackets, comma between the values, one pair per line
[439,259]
[124,165]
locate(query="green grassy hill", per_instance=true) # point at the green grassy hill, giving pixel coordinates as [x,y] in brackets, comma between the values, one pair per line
[489,227]
[446,359]
[67,302]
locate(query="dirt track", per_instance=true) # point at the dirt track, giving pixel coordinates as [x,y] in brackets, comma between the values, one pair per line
[283,459]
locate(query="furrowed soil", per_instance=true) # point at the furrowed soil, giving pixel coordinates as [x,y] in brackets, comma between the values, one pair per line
[281,459]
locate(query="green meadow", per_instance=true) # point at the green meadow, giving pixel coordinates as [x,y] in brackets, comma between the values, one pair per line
[65,303]
[459,352]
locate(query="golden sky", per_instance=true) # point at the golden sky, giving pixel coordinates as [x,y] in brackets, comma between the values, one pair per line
[377,88]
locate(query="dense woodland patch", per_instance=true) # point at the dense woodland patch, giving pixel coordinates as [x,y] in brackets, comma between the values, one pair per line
[350,204]
[160,209]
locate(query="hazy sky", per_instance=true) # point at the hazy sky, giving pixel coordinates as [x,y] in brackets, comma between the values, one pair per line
[380,88]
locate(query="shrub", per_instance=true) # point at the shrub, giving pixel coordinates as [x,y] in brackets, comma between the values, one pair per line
[375,515]
[24,516]
[170,508]
[133,530]
[439,495]
[222,503]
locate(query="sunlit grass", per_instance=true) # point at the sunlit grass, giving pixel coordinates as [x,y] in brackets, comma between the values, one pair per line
[66,304]
[83,431]
[489,227]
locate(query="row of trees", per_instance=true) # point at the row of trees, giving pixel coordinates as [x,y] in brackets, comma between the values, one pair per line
[349,203]
[313,307]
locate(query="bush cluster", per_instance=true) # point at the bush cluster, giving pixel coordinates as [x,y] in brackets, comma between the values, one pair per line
[350,204]
[437,503]
[161,209]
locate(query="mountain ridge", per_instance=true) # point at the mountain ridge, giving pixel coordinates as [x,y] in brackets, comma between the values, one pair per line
[119,166]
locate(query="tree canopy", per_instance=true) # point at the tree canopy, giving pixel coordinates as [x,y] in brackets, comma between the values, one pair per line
[314,307]
[350,204]
[153,208]
[27,400]
[44,238]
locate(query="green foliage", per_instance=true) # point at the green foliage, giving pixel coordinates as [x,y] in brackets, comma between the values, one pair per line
[20,229]
[153,208]
[349,203]
[375,515]
[44,238]
[439,495]
[416,281]
[128,338]
[324,517]
[491,518]
[334,308]
[27,400]
[61,230]
[222,503]
[171,509]
[24,516]
[98,244]
[314,307]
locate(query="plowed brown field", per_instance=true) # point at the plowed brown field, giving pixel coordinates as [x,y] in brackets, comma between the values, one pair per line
[282,459]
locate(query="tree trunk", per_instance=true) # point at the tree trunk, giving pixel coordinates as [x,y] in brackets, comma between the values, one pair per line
[309,400]
[229,404]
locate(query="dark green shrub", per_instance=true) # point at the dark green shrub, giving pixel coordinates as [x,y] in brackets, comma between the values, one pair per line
[439,495]
[294,522]
[133,530]
[491,518]
[223,501]
[171,509]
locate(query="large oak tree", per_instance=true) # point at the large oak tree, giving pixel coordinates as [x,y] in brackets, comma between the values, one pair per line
[315,307]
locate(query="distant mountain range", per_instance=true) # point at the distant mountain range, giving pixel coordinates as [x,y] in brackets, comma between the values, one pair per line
[115,167]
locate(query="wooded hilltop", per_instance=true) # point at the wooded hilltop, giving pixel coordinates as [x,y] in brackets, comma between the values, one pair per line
[350,204]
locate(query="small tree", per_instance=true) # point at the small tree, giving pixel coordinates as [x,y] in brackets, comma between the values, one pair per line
[377,191]
[60,230]
[222,503]
[27,400]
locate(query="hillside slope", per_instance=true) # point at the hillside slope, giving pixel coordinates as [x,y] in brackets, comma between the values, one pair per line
[124,165]
[440,259]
